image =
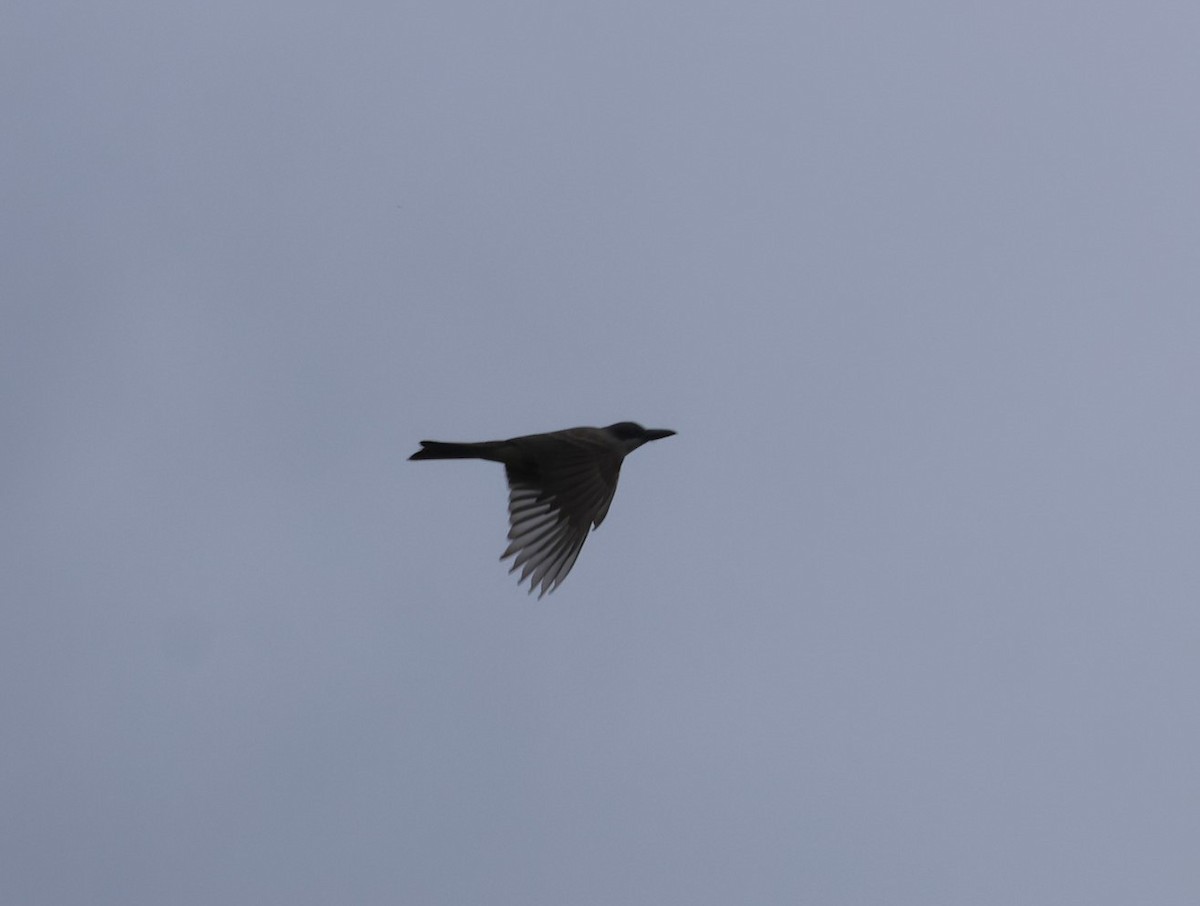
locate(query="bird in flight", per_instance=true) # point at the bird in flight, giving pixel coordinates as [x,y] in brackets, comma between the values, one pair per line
[560,486]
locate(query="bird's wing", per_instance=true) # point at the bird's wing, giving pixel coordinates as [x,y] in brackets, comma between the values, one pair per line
[553,505]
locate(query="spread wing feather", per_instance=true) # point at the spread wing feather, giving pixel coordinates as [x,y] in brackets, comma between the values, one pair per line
[553,502]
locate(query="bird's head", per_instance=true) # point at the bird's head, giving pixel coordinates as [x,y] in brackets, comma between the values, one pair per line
[632,435]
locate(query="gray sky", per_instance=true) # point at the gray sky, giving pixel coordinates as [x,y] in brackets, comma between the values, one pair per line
[905,614]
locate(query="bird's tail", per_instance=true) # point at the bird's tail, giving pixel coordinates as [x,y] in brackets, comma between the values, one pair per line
[436,449]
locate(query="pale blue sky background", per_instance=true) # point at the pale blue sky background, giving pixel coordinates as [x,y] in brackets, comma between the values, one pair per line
[907,613]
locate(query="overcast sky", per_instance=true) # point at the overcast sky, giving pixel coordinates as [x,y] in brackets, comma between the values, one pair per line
[908,612]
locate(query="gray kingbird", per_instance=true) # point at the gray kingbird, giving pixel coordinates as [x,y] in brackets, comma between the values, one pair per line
[560,486]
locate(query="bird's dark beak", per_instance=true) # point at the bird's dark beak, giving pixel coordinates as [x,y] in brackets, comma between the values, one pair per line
[657,433]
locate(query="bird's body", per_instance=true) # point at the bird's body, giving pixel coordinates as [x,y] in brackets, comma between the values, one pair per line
[561,485]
